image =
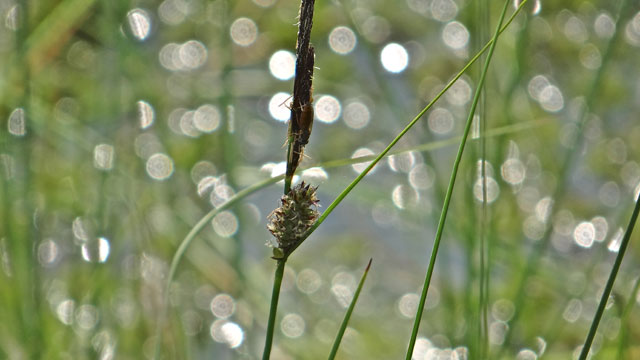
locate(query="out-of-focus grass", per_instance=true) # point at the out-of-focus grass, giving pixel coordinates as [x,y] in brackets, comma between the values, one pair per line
[82,85]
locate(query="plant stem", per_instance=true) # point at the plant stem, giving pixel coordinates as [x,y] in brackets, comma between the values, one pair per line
[347,315]
[447,199]
[480,339]
[275,295]
[610,281]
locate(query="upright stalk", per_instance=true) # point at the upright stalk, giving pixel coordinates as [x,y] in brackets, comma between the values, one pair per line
[610,281]
[300,124]
[275,295]
[347,315]
[447,199]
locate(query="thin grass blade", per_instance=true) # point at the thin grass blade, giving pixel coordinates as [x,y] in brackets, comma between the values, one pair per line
[277,282]
[347,316]
[610,281]
[447,200]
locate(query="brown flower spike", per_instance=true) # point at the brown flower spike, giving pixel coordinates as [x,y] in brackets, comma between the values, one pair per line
[293,218]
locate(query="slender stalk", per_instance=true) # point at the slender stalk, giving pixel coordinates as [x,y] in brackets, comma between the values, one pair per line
[297,137]
[610,281]
[454,173]
[275,295]
[480,338]
[483,286]
[347,316]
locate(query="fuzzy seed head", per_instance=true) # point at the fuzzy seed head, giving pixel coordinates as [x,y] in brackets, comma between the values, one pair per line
[297,212]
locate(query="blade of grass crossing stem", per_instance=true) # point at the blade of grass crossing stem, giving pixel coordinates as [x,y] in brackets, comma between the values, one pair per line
[454,172]
[384,152]
[347,316]
[610,281]
[277,282]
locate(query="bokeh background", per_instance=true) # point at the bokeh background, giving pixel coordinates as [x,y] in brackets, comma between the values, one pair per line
[128,121]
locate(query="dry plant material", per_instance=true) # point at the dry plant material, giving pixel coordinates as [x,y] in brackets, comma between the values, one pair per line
[301,119]
[298,211]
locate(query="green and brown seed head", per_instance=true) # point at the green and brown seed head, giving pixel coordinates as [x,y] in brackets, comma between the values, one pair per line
[294,217]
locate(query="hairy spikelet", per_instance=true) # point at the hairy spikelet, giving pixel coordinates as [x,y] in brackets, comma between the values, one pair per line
[297,212]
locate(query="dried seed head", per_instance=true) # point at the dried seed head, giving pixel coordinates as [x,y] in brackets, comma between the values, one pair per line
[293,218]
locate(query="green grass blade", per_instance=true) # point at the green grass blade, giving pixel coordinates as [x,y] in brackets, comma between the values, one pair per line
[480,340]
[610,281]
[275,295]
[447,199]
[347,316]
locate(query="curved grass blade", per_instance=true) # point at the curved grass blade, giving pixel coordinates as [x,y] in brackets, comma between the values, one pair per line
[184,245]
[454,173]
[610,281]
[347,316]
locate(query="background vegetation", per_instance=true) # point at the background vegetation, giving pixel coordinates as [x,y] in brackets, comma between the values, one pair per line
[128,121]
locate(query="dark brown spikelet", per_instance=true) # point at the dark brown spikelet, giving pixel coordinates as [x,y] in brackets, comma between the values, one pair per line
[294,217]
